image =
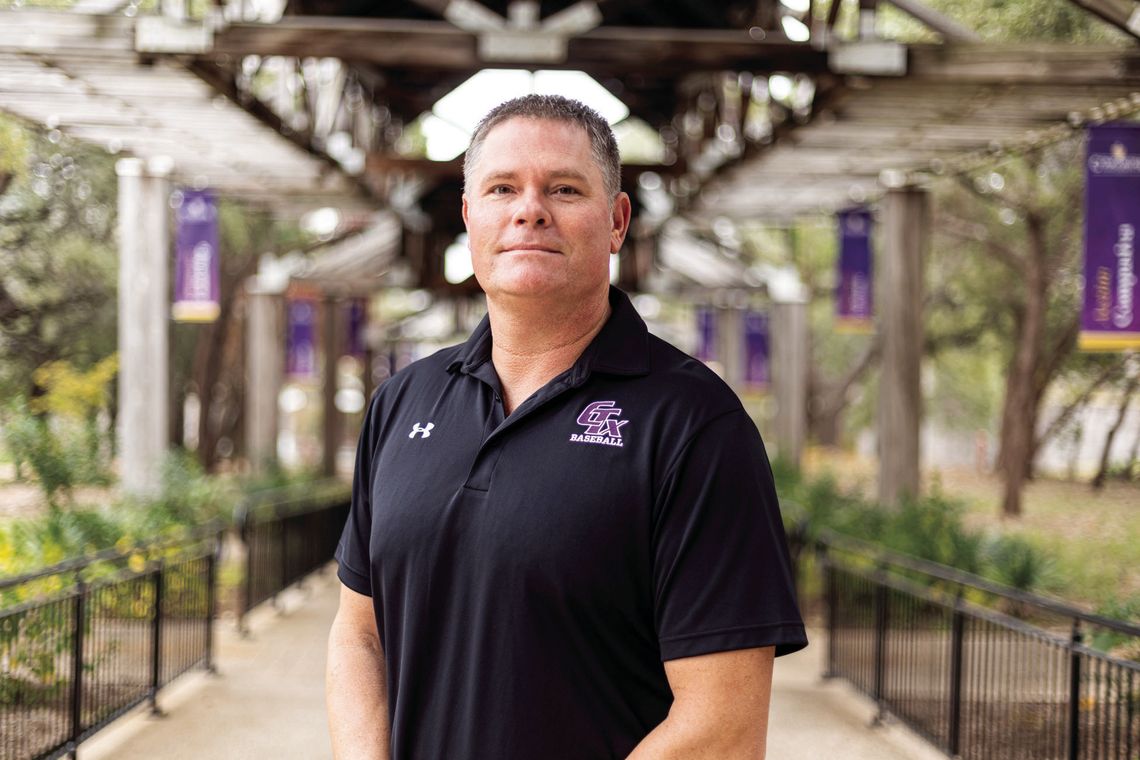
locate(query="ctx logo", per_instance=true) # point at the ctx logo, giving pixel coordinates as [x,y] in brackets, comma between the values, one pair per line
[600,419]
[423,430]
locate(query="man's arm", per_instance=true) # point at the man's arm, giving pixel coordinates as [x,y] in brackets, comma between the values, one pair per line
[356,692]
[720,708]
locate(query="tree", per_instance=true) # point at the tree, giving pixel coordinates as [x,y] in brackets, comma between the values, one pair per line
[1131,384]
[58,260]
[1022,229]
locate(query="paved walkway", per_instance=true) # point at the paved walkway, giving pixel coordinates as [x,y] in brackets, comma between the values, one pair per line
[268,701]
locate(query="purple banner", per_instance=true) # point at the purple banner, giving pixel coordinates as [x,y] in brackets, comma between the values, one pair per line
[357,321]
[756,350]
[854,307]
[1110,319]
[197,289]
[301,348]
[706,334]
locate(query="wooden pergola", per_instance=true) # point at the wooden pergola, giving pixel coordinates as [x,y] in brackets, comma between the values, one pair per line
[311,107]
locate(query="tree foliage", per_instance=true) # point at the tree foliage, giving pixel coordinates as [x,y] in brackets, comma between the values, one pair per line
[58,260]
[1061,21]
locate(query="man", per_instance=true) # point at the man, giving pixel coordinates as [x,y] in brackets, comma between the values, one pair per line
[564,539]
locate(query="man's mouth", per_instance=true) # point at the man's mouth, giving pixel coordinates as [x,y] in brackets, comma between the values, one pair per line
[531,247]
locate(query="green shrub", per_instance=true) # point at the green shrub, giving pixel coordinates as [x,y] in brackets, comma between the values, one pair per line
[931,528]
[1127,610]
[32,441]
[187,496]
[1016,562]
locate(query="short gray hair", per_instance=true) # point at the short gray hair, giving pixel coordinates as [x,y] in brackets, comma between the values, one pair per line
[603,144]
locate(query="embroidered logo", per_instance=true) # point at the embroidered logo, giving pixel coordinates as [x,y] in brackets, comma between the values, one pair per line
[425,430]
[600,419]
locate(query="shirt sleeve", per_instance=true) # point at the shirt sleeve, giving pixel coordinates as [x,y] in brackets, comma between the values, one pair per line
[722,573]
[352,551]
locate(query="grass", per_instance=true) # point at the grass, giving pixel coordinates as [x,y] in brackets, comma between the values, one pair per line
[1091,539]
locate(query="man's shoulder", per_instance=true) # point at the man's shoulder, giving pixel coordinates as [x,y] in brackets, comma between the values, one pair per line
[687,384]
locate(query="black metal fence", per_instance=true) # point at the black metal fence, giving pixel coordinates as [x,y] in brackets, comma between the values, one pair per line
[85,641]
[983,671]
[286,538]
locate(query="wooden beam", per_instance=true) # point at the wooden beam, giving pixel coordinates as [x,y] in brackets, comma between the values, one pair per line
[376,163]
[1025,64]
[224,84]
[25,31]
[439,45]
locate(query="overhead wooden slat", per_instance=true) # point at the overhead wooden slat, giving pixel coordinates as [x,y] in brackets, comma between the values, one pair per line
[1050,64]
[439,45]
[161,109]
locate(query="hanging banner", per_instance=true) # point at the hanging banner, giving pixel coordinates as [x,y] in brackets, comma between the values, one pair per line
[300,346]
[853,296]
[357,322]
[197,289]
[706,334]
[1110,317]
[756,373]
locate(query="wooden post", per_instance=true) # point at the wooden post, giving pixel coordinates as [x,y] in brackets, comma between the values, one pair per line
[789,341]
[144,367]
[331,341]
[898,300]
[265,358]
[730,345]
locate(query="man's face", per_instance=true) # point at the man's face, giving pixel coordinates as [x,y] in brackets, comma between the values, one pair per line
[539,221]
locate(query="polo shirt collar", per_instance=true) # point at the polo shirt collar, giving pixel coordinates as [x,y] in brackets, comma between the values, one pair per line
[621,347]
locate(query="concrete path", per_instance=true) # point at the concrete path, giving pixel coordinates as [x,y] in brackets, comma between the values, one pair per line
[267,701]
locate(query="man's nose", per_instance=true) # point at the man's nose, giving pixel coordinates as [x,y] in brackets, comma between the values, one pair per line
[531,209]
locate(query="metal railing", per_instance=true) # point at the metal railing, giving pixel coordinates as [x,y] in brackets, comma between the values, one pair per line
[287,536]
[933,646]
[84,641]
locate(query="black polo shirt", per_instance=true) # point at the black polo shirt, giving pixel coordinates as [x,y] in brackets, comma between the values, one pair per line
[531,573]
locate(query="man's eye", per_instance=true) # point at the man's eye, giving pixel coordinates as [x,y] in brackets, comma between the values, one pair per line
[566,190]
[500,189]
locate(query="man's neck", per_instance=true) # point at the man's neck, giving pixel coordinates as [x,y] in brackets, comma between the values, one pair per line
[534,342]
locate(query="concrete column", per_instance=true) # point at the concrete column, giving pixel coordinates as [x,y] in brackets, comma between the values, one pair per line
[144,305]
[730,345]
[898,303]
[790,366]
[331,345]
[265,362]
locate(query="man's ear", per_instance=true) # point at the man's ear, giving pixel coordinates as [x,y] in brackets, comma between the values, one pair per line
[464,209]
[623,211]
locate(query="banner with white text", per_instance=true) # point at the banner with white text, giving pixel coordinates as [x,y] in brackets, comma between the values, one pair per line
[854,307]
[301,346]
[197,288]
[1110,320]
[756,374]
[706,334]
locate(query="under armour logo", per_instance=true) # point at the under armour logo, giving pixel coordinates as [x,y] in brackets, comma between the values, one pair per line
[425,429]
